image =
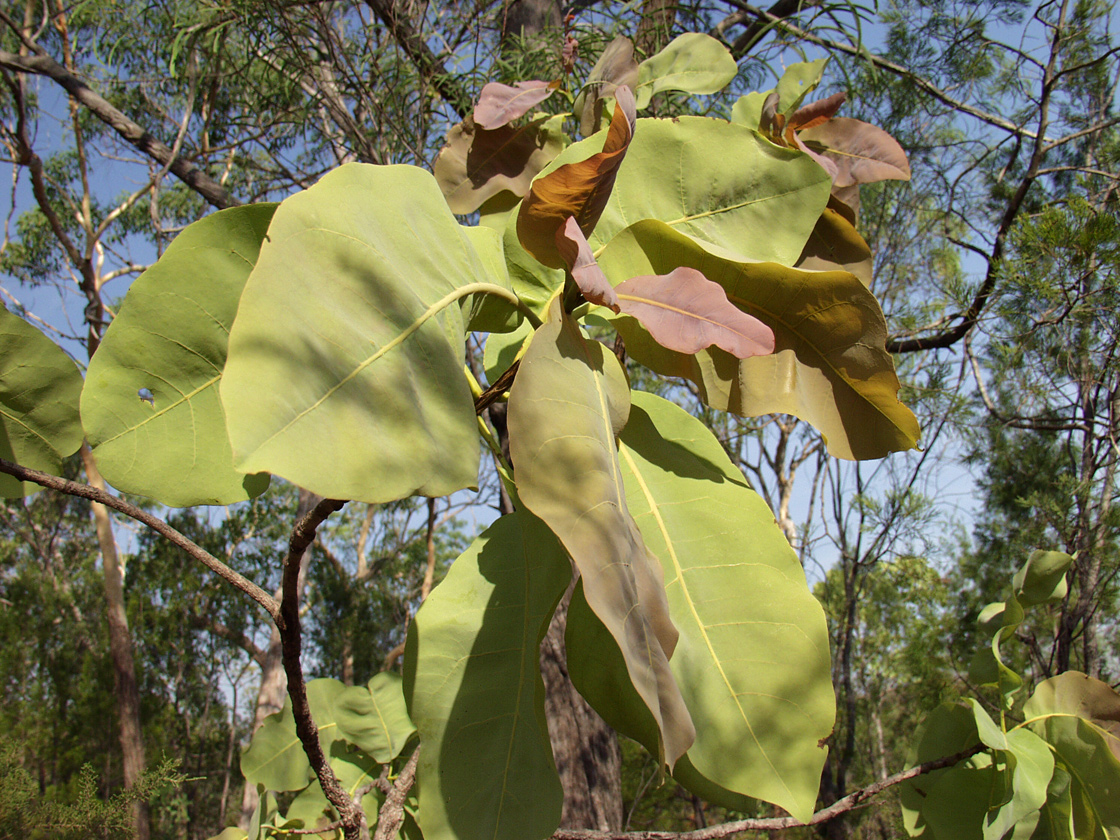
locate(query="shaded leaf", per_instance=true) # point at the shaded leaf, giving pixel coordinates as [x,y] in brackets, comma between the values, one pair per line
[535,284]
[686,312]
[615,68]
[374,718]
[170,339]
[830,366]
[499,104]
[579,189]
[569,401]
[1042,579]
[486,312]
[694,62]
[345,370]
[502,349]
[817,113]
[835,244]
[1074,693]
[862,153]
[475,165]
[473,685]
[40,387]
[588,277]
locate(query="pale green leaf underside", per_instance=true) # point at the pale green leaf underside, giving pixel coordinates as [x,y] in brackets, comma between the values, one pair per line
[693,62]
[753,658]
[473,684]
[169,339]
[39,390]
[375,718]
[345,371]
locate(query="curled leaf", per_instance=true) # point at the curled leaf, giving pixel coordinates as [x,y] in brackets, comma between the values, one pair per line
[816,113]
[615,68]
[836,244]
[686,312]
[592,283]
[499,104]
[862,153]
[579,189]
[694,62]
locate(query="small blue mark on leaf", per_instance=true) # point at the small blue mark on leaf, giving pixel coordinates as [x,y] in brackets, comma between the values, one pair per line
[147,396]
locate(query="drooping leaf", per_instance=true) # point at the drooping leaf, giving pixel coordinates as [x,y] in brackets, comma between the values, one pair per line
[275,757]
[580,189]
[170,339]
[717,541]
[575,251]
[345,370]
[615,68]
[374,717]
[499,104]
[835,244]
[719,183]
[476,165]
[567,405]
[686,312]
[830,366]
[39,391]
[473,686]
[862,153]
[797,82]
[1042,579]
[694,62]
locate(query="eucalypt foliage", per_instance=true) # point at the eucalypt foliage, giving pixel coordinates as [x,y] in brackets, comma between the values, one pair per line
[1049,769]
[327,347]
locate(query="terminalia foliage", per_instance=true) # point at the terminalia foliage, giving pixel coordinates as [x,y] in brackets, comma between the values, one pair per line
[321,339]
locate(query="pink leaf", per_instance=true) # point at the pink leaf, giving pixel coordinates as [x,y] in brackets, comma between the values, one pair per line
[592,283]
[686,312]
[499,104]
[863,153]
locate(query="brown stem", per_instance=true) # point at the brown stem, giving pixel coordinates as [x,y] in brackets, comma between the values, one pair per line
[391,816]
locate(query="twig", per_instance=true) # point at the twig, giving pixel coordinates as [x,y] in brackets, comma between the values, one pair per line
[391,816]
[85,491]
[500,386]
[715,832]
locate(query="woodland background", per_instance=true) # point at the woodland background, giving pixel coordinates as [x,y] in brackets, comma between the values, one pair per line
[997,265]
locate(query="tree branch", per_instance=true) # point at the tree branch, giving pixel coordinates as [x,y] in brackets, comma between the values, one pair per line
[391,816]
[85,491]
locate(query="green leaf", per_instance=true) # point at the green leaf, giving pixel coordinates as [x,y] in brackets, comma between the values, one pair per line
[1042,580]
[569,401]
[473,685]
[502,348]
[747,110]
[375,719]
[798,81]
[486,312]
[345,371]
[830,366]
[716,539]
[533,282]
[275,757]
[693,62]
[39,390]
[169,340]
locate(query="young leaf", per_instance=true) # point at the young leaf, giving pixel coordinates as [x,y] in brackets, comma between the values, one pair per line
[592,283]
[566,407]
[694,62]
[615,68]
[816,113]
[170,339]
[499,104]
[345,370]
[39,390]
[686,312]
[797,82]
[575,189]
[473,685]
[830,366]
[861,153]
[475,164]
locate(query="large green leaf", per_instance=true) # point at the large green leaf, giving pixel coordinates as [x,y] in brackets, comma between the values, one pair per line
[830,366]
[473,685]
[345,371]
[694,62]
[569,401]
[375,718]
[717,541]
[39,390]
[169,342]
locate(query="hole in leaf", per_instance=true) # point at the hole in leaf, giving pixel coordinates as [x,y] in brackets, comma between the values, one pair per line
[147,396]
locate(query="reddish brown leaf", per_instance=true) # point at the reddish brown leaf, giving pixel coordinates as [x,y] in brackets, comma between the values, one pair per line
[616,67]
[863,153]
[476,165]
[575,189]
[499,104]
[816,113]
[592,283]
[686,312]
[826,163]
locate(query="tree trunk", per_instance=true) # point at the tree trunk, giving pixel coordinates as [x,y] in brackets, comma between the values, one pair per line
[120,649]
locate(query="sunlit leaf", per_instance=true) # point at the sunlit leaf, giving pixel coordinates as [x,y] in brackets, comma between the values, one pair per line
[475,165]
[345,371]
[580,189]
[818,112]
[588,277]
[39,391]
[499,104]
[534,283]
[797,82]
[830,366]
[569,401]
[694,62]
[863,153]
[474,689]
[170,339]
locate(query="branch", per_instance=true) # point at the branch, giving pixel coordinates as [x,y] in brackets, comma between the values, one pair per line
[42,64]
[85,491]
[391,816]
[715,832]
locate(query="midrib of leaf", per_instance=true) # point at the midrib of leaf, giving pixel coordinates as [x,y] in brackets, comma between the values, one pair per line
[184,398]
[656,513]
[685,312]
[24,425]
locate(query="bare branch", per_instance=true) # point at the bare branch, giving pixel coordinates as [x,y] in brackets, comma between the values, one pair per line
[392,811]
